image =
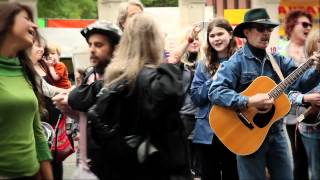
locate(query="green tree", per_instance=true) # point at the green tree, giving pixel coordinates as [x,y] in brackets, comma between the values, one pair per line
[70,9]
[160,3]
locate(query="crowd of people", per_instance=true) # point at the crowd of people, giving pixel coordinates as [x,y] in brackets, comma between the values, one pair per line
[146,113]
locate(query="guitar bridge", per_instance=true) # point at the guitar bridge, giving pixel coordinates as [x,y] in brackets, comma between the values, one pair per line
[244,120]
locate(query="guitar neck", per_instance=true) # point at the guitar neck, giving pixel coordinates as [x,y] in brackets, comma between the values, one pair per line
[280,88]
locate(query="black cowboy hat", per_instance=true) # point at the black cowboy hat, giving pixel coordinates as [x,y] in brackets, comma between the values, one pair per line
[258,16]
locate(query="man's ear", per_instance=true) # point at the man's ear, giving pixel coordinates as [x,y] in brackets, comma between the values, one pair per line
[114,50]
[245,32]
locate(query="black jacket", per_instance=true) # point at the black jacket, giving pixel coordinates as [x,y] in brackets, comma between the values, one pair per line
[84,96]
[150,107]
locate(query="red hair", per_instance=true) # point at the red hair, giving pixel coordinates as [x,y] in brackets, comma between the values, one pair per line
[291,20]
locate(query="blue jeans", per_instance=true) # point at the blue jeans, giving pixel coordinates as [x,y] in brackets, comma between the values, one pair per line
[312,146]
[274,154]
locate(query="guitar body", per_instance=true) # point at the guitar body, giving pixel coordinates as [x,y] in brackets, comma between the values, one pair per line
[234,134]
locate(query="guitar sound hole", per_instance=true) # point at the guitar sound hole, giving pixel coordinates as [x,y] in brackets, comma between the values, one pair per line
[263,119]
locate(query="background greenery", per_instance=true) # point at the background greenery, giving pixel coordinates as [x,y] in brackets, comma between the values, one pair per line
[84,9]
[73,9]
[160,3]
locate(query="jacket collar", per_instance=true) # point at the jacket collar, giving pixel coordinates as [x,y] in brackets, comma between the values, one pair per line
[247,52]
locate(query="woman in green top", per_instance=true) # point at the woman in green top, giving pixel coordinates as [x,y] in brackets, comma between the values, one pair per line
[24,152]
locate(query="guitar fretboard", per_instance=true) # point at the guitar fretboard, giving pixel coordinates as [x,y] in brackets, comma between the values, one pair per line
[279,89]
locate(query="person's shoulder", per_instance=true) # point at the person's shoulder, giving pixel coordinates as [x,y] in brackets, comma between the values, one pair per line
[237,53]
[282,47]
[201,62]
[200,65]
[148,72]
[281,59]
[88,71]
[59,65]
[236,57]
[278,56]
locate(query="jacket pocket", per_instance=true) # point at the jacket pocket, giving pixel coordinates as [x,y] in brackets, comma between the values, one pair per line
[246,79]
[203,112]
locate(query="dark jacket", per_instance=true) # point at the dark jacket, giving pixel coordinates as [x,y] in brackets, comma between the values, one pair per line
[150,108]
[84,96]
[162,95]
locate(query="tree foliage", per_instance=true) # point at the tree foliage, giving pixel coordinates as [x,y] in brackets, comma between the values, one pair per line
[160,3]
[70,9]
[85,9]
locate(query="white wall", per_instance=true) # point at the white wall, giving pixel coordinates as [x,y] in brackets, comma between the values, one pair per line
[71,40]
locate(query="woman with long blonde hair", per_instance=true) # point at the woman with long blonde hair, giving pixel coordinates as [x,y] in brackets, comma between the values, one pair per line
[137,48]
[126,10]
[147,107]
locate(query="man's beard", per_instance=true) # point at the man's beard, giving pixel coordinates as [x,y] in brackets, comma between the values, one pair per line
[101,66]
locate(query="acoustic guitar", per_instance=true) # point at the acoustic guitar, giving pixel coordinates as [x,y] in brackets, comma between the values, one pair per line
[243,132]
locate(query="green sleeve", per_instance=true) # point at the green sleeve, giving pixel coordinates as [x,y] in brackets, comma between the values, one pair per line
[42,147]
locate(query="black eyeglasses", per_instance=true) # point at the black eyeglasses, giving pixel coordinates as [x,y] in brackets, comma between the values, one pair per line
[305,24]
[261,28]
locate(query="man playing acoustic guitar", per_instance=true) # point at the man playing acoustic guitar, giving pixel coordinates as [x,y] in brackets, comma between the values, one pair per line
[249,100]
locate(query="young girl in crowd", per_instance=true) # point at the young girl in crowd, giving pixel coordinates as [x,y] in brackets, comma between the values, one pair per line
[24,150]
[310,133]
[216,161]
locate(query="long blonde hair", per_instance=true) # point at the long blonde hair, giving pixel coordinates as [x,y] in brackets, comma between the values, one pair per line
[311,42]
[184,37]
[123,11]
[141,44]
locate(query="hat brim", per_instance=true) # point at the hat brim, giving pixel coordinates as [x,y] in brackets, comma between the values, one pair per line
[238,30]
[113,37]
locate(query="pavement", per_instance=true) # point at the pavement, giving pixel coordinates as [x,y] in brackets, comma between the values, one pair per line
[69,166]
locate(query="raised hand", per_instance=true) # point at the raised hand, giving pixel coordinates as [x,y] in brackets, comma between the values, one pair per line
[194,33]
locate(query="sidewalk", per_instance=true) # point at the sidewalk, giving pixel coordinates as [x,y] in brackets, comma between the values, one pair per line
[69,166]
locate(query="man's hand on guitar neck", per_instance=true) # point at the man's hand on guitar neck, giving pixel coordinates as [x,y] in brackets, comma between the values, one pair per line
[261,101]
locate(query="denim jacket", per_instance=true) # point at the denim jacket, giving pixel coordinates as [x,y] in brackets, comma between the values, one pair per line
[199,94]
[236,74]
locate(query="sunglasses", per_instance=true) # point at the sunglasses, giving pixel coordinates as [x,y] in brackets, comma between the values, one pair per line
[262,28]
[306,24]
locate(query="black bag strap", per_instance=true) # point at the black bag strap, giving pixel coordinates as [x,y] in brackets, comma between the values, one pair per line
[56,137]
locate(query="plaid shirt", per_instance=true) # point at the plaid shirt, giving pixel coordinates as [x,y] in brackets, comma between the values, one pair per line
[311,131]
